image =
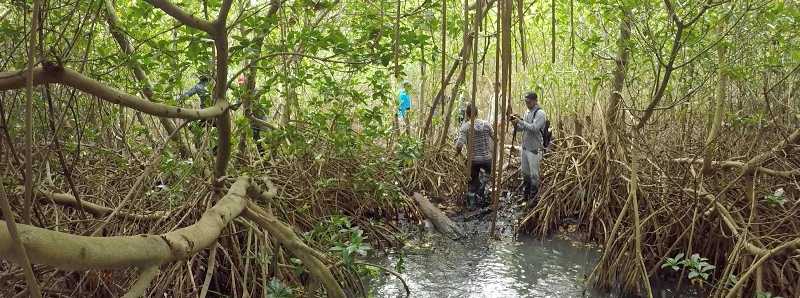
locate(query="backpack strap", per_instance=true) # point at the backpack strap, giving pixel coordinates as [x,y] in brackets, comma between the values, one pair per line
[535,111]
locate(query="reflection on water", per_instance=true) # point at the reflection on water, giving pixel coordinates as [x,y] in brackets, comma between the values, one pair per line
[524,268]
[479,267]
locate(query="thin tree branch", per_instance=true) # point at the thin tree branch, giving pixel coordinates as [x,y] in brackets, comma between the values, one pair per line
[155,161]
[140,286]
[222,18]
[783,79]
[390,271]
[19,249]
[182,16]
[28,203]
[212,262]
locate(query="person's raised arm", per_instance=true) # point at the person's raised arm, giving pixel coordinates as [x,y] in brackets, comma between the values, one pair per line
[536,124]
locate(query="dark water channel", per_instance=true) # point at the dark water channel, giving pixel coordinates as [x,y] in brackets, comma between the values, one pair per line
[506,267]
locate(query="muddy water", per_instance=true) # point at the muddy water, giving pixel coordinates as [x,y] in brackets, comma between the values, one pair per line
[480,267]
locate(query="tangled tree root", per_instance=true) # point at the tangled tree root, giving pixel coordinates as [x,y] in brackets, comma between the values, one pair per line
[722,215]
[149,252]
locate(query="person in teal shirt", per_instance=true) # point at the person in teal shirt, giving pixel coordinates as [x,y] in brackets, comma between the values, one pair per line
[405,100]
[404,104]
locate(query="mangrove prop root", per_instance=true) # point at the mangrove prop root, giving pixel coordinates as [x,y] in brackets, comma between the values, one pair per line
[390,271]
[148,252]
[145,278]
[588,180]
[19,248]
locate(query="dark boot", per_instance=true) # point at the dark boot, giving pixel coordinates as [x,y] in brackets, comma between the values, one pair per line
[534,196]
[471,199]
[526,190]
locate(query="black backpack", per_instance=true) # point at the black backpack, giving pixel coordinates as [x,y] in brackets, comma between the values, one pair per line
[546,134]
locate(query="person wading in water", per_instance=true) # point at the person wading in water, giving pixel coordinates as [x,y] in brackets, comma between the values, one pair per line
[532,147]
[481,153]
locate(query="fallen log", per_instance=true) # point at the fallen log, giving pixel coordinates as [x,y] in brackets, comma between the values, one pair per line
[442,223]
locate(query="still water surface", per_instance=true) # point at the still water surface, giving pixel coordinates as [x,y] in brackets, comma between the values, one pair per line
[479,267]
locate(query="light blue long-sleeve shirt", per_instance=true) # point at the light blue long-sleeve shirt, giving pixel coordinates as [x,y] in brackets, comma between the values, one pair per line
[531,127]
[404,103]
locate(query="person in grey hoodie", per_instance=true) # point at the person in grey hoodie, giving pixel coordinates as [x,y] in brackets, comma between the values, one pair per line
[532,147]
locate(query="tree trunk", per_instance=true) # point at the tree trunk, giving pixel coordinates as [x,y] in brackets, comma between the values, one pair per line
[422,86]
[717,105]
[505,55]
[553,30]
[615,98]
[521,16]
[29,82]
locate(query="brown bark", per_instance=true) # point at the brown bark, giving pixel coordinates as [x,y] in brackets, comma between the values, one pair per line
[505,86]
[476,28]
[444,80]
[51,73]
[615,98]
[223,121]
[553,31]
[521,23]
[677,43]
[469,42]
[72,252]
[182,16]
[422,88]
